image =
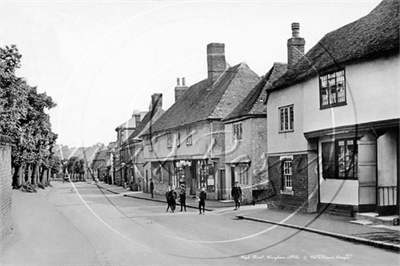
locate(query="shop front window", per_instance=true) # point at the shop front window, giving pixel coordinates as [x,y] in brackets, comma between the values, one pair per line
[340,159]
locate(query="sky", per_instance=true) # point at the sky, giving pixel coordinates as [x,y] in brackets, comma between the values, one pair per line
[101,60]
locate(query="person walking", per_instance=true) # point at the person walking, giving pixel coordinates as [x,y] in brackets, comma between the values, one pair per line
[202,200]
[236,193]
[172,199]
[151,188]
[182,197]
[167,198]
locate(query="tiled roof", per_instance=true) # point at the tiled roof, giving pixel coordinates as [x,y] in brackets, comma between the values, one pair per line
[203,101]
[150,118]
[253,104]
[101,155]
[369,37]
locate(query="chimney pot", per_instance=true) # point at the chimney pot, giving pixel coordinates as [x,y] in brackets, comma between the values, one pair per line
[295,29]
[295,46]
[178,82]
[180,90]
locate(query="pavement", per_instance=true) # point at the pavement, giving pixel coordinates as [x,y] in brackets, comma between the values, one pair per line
[379,236]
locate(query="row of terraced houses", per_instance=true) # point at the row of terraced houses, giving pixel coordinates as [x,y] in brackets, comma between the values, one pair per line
[321,129]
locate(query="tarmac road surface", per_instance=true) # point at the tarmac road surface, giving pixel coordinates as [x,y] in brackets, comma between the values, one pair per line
[79,224]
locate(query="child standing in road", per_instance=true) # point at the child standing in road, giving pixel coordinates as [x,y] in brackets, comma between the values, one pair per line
[202,202]
[236,193]
[166,198]
[182,197]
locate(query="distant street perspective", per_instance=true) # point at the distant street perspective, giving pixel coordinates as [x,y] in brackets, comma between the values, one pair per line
[199,132]
[82,224]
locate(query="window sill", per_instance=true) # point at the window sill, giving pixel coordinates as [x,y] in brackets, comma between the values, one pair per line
[332,106]
[286,131]
[287,192]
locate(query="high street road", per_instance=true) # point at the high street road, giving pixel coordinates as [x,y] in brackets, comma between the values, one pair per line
[80,224]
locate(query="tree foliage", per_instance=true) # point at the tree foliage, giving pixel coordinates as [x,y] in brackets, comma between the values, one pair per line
[23,117]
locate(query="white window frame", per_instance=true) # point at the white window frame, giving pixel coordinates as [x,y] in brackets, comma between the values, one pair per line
[332,89]
[237,131]
[243,173]
[286,118]
[178,139]
[287,176]
[188,136]
[169,140]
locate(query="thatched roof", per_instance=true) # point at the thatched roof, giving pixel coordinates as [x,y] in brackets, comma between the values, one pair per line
[373,36]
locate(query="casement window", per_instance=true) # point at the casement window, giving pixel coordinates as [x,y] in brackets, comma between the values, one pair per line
[188,136]
[340,159]
[286,118]
[332,89]
[287,178]
[243,174]
[169,140]
[178,139]
[237,131]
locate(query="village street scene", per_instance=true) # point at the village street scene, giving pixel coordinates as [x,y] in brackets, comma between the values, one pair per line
[294,161]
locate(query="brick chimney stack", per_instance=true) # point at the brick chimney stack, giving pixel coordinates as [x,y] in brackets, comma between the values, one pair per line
[156,101]
[215,61]
[180,90]
[295,46]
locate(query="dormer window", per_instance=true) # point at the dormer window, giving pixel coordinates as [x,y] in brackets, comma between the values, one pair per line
[332,89]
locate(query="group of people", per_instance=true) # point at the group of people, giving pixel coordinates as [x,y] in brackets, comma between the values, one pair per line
[171,196]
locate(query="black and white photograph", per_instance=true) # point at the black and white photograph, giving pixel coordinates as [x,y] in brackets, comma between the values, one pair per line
[184,132]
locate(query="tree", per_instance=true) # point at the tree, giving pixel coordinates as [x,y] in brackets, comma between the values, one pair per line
[23,119]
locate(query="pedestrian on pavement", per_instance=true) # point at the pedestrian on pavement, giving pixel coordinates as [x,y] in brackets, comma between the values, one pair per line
[172,199]
[166,198]
[202,200]
[236,193]
[151,188]
[182,197]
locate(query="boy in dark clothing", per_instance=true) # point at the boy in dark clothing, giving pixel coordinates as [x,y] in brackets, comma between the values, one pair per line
[151,188]
[172,199]
[182,198]
[236,193]
[166,198]
[202,202]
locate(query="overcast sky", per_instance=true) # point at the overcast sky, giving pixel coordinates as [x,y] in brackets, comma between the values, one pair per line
[101,60]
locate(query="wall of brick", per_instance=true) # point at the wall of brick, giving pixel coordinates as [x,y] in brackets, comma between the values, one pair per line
[302,185]
[5,190]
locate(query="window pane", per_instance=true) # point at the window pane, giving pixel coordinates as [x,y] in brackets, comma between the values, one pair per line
[341,92]
[328,159]
[286,119]
[291,118]
[332,94]
[333,89]
[351,159]
[341,155]
[324,83]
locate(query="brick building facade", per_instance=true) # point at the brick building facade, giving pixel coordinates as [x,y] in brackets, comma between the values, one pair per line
[5,189]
